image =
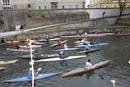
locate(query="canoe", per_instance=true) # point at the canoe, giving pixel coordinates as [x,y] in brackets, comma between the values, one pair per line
[57,59]
[58,44]
[18,50]
[81,71]
[39,76]
[2,68]
[8,62]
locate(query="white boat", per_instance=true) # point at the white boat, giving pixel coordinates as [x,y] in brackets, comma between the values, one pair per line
[8,62]
[57,59]
[18,50]
[33,46]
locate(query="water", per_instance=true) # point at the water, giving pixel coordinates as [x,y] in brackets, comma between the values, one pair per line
[117,50]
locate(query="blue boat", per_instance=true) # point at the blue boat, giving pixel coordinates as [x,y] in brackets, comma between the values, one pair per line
[39,76]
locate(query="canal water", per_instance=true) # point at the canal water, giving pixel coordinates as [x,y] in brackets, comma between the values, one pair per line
[119,69]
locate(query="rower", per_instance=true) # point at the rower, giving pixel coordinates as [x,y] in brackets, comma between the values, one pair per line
[88,64]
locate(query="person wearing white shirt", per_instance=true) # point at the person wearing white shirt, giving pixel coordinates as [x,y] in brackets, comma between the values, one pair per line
[88,64]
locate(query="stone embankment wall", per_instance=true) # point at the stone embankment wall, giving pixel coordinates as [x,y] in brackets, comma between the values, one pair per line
[31,18]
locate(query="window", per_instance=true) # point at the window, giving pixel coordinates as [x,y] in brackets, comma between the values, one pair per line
[6,2]
[54,5]
[83,4]
[39,7]
[76,6]
[63,7]
[15,6]
[29,5]
[44,7]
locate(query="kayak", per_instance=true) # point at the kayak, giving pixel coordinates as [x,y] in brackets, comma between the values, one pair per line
[58,44]
[18,50]
[33,46]
[68,49]
[2,68]
[53,39]
[61,59]
[90,51]
[39,56]
[8,62]
[88,35]
[81,71]
[90,45]
[39,76]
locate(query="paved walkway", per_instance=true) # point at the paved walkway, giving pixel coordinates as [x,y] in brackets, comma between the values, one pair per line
[10,33]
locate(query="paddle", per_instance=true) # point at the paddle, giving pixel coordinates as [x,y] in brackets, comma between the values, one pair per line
[113,83]
[39,69]
[129,61]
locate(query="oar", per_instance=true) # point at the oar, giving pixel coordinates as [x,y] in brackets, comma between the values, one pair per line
[113,83]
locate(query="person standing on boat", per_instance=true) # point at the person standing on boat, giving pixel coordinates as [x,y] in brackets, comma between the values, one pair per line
[88,64]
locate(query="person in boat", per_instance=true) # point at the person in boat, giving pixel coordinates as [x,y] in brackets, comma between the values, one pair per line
[29,75]
[17,47]
[37,54]
[59,42]
[2,40]
[61,54]
[88,64]
[47,38]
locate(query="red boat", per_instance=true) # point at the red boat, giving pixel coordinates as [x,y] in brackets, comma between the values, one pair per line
[2,68]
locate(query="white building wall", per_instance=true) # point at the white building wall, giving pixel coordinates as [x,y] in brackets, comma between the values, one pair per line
[1,7]
[44,4]
[66,3]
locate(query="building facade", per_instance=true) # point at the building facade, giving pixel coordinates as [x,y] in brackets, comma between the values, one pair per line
[42,4]
[59,4]
[112,3]
[14,4]
[107,3]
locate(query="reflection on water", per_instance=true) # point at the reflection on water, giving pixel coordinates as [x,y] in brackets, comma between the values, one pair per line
[117,50]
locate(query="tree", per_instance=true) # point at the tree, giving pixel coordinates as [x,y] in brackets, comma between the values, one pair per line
[122,5]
